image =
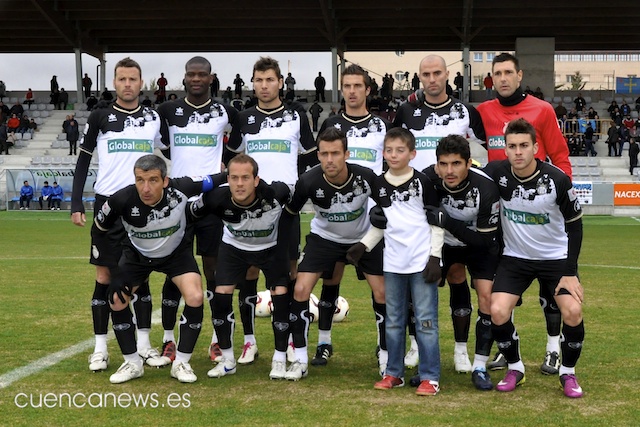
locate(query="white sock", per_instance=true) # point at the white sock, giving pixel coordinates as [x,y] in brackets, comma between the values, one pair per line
[168,336]
[101,344]
[214,337]
[324,337]
[553,343]
[518,366]
[134,358]
[383,357]
[460,347]
[250,339]
[566,370]
[301,355]
[227,353]
[279,356]
[182,357]
[480,362]
[143,339]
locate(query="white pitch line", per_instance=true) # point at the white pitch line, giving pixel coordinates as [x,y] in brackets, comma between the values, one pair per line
[46,362]
[624,267]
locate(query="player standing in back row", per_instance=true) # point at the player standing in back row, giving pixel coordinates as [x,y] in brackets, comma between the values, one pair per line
[122,133]
[193,129]
[274,134]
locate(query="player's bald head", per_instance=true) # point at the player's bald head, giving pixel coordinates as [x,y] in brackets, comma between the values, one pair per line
[433,59]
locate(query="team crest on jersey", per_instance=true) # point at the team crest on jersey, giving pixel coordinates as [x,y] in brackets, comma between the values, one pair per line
[320,193]
[382,192]
[135,211]
[543,186]
[406,195]
[287,116]
[374,125]
[338,126]
[179,111]
[251,120]
[148,117]
[112,118]
[228,212]
[503,181]
[417,112]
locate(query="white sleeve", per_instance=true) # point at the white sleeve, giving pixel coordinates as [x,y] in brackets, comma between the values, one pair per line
[372,238]
[437,240]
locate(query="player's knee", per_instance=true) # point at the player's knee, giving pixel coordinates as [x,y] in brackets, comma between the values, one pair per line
[456,274]
[572,314]
[194,297]
[103,275]
[118,304]
[500,313]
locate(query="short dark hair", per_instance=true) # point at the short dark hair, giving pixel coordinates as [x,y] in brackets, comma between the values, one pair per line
[454,144]
[127,63]
[244,158]
[198,60]
[331,134]
[504,57]
[403,135]
[151,162]
[356,70]
[520,126]
[267,63]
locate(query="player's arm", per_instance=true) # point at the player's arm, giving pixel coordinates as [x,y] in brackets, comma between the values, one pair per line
[308,157]
[192,186]
[165,138]
[88,144]
[109,212]
[476,127]
[570,207]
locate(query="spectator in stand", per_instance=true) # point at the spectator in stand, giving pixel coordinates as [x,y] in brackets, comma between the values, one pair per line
[575,144]
[538,93]
[162,89]
[26,195]
[630,124]
[612,140]
[625,110]
[638,104]
[24,124]
[4,112]
[45,195]
[633,154]
[54,90]
[580,102]
[13,123]
[528,90]
[320,84]
[458,82]
[237,102]
[91,102]
[17,109]
[238,84]
[588,141]
[57,194]
[488,85]
[560,110]
[3,89]
[28,98]
[66,123]
[106,95]
[147,102]
[315,111]
[612,108]
[227,95]
[215,85]
[86,85]
[172,97]
[290,82]
[4,135]
[73,134]
[63,99]
[415,82]
[33,126]
[374,88]
[616,116]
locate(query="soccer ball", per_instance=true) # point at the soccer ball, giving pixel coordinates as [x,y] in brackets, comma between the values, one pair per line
[342,309]
[313,308]
[264,305]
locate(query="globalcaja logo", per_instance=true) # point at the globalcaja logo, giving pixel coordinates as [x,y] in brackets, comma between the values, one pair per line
[251,233]
[156,234]
[195,140]
[496,142]
[427,142]
[526,218]
[342,216]
[269,146]
[363,154]
[129,145]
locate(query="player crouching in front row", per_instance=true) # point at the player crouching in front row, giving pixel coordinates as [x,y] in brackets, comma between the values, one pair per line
[153,214]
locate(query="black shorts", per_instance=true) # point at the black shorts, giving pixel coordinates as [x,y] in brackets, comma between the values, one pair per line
[208,233]
[106,248]
[135,268]
[515,275]
[481,264]
[321,255]
[233,264]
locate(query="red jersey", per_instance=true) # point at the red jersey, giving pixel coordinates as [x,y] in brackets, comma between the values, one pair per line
[540,114]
